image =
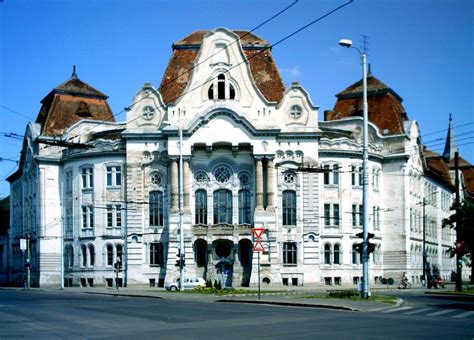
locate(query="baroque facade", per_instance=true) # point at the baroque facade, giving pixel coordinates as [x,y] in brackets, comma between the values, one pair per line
[91,191]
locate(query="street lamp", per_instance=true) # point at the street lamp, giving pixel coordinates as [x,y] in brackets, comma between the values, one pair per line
[180,198]
[365,164]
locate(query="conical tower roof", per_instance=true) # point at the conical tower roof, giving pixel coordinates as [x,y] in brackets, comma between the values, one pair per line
[450,147]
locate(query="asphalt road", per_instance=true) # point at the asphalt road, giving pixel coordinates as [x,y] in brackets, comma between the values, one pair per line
[65,314]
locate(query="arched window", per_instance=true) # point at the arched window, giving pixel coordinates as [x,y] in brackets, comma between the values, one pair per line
[337,254]
[84,255]
[110,255]
[91,255]
[289,207]
[220,86]
[222,206]
[327,254]
[156,209]
[222,83]
[244,206]
[201,207]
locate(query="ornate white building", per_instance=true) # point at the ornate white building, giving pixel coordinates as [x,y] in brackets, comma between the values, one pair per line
[90,191]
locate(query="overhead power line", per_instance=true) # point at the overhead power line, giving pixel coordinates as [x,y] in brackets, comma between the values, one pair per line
[236,65]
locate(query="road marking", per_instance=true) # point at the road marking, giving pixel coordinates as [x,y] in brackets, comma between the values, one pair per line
[446,311]
[417,311]
[396,310]
[463,315]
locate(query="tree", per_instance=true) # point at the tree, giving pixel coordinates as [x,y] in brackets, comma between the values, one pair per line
[463,222]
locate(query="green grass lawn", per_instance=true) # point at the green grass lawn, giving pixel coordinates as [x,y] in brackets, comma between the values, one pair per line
[354,296]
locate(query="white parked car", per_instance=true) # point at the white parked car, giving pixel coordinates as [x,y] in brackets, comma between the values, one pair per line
[190,282]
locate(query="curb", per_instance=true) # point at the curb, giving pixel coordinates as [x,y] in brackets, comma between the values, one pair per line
[125,295]
[291,304]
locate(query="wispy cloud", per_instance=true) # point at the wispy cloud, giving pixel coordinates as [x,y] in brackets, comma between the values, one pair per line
[292,71]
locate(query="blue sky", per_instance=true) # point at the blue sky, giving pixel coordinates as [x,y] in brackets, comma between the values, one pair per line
[422,49]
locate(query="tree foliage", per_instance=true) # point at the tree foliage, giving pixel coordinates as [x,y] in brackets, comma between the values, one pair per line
[463,222]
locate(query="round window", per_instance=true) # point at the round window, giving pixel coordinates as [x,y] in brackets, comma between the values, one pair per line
[244,178]
[155,178]
[222,174]
[289,177]
[296,111]
[147,156]
[201,177]
[148,112]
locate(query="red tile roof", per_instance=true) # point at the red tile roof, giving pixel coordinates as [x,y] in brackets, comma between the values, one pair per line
[385,105]
[468,174]
[69,103]
[257,51]
[437,167]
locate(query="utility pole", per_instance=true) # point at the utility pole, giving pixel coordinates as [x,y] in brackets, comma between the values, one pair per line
[457,207]
[424,242]
[28,241]
[365,293]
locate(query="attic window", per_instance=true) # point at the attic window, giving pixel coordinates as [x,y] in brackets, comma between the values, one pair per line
[296,111]
[222,85]
[83,110]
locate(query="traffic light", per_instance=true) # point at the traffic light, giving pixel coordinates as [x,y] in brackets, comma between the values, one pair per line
[178,261]
[359,247]
[181,260]
[360,235]
[371,246]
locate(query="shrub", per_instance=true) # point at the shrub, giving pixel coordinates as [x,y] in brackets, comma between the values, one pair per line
[340,294]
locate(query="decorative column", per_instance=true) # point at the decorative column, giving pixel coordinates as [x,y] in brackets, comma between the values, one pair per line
[174,185]
[259,182]
[186,184]
[270,171]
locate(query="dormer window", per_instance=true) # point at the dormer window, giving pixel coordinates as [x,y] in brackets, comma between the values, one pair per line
[222,85]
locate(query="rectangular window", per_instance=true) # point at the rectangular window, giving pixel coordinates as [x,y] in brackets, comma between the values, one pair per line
[156,209]
[335,174]
[118,215]
[336,216]
[87,217]
[353,175]
[326,174]
[289,253]
[114,176]
[156,254]
[222,206]
[327,214]
[244,207]
[114,215]
[88,178]
[354,215]
[361,215]
[289,207]
[110,216]
[361,176]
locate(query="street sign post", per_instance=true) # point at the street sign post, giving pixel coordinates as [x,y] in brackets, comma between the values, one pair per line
[258,247]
